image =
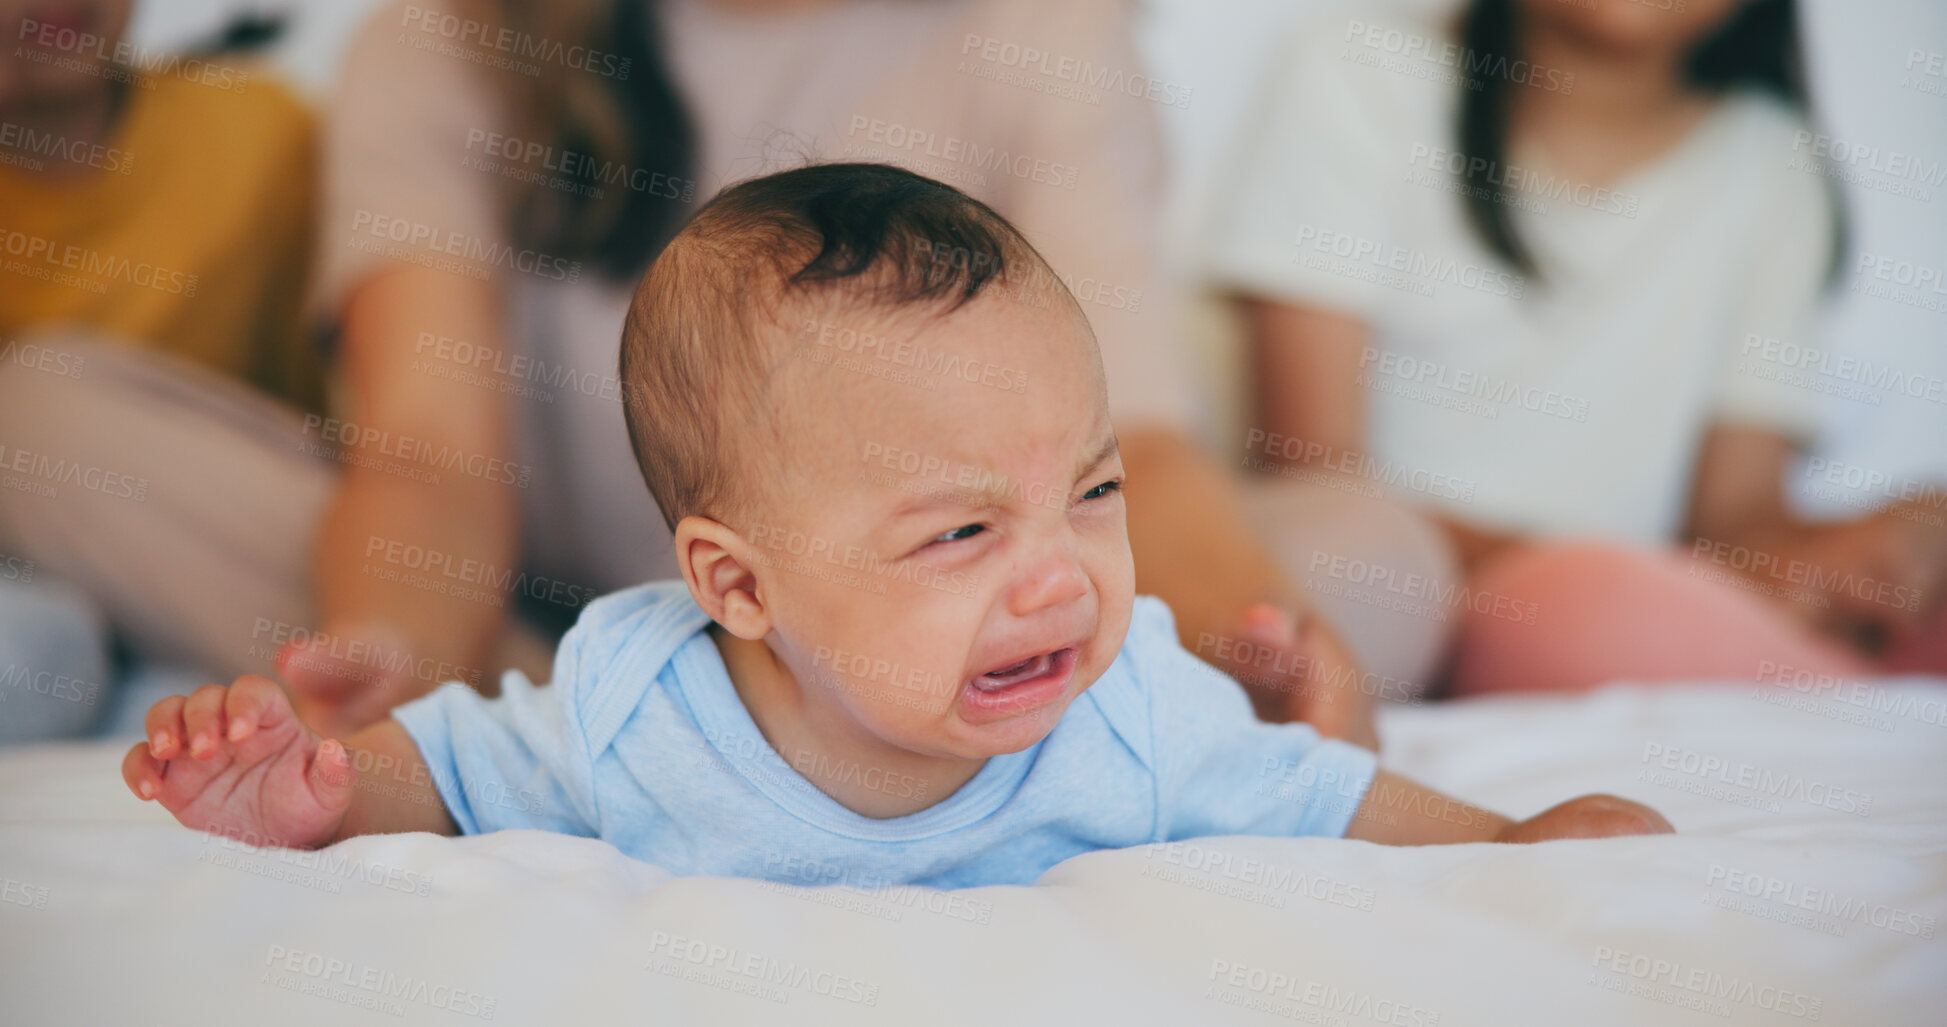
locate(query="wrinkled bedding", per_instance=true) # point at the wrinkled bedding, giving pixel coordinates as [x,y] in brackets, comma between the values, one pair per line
[1808,884]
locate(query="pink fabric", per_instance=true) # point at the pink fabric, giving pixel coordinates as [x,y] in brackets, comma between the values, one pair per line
[1923,652]
[1606,613]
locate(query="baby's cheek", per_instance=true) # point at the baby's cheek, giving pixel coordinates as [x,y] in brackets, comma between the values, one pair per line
[899,677]
[1111,565]
[1115,608]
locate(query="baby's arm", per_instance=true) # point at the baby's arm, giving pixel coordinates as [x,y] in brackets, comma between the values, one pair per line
[236,761]
[1397,811]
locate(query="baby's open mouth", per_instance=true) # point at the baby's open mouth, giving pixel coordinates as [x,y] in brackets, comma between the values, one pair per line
[1004,677]
[1024,685]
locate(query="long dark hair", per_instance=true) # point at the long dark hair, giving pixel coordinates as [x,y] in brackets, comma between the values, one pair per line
[1756,48]
[246,33]
[630,117]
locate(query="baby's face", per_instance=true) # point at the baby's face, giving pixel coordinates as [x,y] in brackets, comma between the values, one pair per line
[74,37]
[1636,28]
[943,555]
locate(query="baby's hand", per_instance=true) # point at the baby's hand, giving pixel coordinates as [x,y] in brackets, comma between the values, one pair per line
[1587,816]
[236,761]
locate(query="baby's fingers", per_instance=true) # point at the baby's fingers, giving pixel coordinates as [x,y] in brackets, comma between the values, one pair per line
[254,701]
[203,721]
[164,726]
[330,776]
[142,772]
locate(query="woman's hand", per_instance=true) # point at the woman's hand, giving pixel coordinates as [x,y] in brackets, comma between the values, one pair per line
[348,676]
[1299,670]
[1875,579]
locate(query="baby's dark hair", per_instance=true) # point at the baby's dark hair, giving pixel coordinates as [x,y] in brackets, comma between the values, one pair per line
[701,339]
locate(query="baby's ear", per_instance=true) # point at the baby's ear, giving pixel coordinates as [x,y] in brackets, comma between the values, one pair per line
[717,566]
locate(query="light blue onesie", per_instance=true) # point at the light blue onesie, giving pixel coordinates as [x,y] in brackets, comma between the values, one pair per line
[642,741]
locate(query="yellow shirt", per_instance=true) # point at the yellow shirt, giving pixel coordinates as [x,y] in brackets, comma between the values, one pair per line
[191,235]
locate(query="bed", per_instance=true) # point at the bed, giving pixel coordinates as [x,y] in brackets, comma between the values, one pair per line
[1808,884]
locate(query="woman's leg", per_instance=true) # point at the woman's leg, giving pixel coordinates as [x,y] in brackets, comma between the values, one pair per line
[1338,545]
[183,504]
[1566,617]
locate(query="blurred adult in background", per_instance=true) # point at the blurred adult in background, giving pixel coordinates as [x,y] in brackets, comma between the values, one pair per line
[499,174]
[1543,258]
[156,238]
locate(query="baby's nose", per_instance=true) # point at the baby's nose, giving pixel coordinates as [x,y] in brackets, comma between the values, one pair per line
[1054,577]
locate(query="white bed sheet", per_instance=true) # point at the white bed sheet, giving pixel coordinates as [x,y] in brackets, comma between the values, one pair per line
[110,913]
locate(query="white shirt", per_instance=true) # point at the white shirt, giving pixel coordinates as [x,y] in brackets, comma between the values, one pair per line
[1568,403]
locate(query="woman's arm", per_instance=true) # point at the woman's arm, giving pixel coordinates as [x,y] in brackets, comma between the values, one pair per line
[1195,548]
[396,146]
[397,490]
[1737,490]
[1194,544]
[1874,578]
[1304,366]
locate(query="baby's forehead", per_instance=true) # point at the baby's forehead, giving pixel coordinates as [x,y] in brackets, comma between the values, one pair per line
[991,382]
[998,327]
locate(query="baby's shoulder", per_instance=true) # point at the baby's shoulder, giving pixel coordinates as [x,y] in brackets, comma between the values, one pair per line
[617,652]
[1155,685]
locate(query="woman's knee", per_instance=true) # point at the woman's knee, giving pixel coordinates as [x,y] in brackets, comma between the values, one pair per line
[1568,617]
[1564,616]
[1576,572]
[1335,544]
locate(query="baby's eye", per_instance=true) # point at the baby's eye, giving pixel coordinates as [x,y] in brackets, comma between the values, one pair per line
[1102,491]
[964,531]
